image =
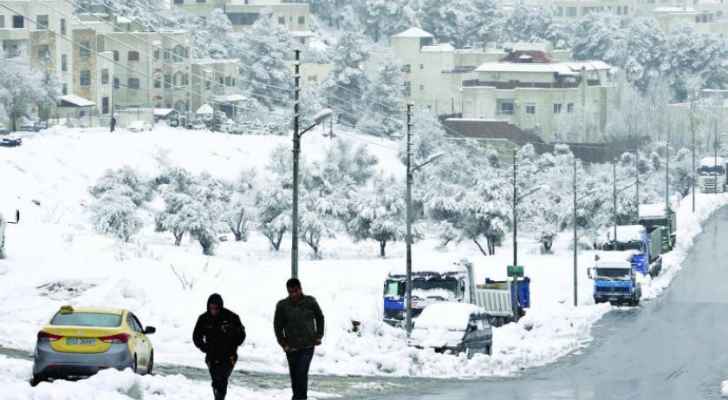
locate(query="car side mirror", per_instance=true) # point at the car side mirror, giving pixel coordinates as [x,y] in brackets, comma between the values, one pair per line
[149,330]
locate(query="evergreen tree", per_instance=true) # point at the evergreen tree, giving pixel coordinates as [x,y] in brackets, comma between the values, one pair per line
[347,82]
[384,101]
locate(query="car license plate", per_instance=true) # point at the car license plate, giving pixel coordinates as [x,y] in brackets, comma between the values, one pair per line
[80,341]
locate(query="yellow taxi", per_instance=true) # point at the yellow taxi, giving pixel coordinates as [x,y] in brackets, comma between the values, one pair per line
[79,342]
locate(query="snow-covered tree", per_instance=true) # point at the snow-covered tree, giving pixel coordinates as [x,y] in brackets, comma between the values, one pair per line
[22,87]
[114,213]
[315,222]
[180,215]
[238,214]
[273,203]
[347,82]
[383,18]
[211,35]
[264,51]
[384,101]
[377,212]
[124,181]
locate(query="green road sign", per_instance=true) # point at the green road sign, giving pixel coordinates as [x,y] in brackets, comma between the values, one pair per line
[515,271]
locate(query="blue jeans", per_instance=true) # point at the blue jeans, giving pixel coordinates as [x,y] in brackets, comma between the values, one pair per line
[298,363]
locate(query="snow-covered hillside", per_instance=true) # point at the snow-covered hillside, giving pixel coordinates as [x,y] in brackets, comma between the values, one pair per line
[56,258]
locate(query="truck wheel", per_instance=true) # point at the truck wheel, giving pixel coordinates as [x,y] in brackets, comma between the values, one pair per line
[36,380]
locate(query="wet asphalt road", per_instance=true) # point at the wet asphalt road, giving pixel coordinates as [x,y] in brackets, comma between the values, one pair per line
[674,347]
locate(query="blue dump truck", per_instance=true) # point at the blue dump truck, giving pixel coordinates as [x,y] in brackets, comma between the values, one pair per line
[646,247]
[615,282]
[657,216]
[503,302]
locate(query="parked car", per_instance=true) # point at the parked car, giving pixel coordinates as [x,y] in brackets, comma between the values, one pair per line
[11,142]
[139,126]
[453,327]
[197,125]
[79,342]
[32,126]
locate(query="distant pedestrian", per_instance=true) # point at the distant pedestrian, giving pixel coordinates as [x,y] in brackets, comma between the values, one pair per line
[299,328]
[113,123]
[218,333]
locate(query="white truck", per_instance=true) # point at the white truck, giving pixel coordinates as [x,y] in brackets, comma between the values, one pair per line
[712,175]
[3,224]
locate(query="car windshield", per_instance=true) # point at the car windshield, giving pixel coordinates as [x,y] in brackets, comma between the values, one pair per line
[394,289]
[101,320]
[613,272]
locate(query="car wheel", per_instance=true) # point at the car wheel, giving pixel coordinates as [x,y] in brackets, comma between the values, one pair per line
[36,380]
[150,365]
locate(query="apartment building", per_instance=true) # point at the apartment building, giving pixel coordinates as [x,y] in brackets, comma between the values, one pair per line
[40,30]
[529,85]
[93,70]
[215,82]
[294,15]
[533,92]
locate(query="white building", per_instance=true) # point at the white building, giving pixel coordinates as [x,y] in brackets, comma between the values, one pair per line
[215,82]
[294,15]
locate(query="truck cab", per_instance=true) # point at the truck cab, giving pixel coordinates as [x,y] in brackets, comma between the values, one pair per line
[712,175]
[644,247]
[615,282]
[429,285]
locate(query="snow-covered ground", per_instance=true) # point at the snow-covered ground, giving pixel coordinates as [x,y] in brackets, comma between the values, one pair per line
[55,258]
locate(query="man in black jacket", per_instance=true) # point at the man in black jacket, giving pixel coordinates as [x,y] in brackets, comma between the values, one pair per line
[218,333]
[299,327]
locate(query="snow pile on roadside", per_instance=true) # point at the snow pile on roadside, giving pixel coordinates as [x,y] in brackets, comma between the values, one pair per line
[121,385]
[724,388]
[689,226]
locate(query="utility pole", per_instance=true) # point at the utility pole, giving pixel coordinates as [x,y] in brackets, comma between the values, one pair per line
[515,207]
[614,196]
[692,130]
[667,171]
[637,177]
[715,149]
[296,155]
[576,292]
[408,239]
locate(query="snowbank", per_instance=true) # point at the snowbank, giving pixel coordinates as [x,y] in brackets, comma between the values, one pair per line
[121,385]
[55,258]
[724,388]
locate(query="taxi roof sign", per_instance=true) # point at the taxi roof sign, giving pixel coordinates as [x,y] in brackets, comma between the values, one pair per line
[66,310]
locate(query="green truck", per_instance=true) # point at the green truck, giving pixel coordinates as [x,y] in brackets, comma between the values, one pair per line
[657,217]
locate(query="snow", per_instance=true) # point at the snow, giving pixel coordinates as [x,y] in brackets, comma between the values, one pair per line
[56,258]
[413,33]
[652,211]
[438,48]
[712,162]
[77,100]
[121,385]
[625,233]
[724,388]
[205,109]
[446,315]
[163,112]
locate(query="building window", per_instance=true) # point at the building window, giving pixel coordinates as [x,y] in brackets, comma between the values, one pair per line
[63,26]
[422,88]
[168,81]
[104,76]
[282,20]
[104,105]
[116,55]
[179,53]
[133,56]
[407,68]
[530,109]
[559,12]
[44,52]
[18,22]
[313,78]
[505,106]
[2,21]
[84,49]
[64,62]
[571,11]
[301,20]
[242,18]
[570,108]
[179,1]
[408,88]
[202,1]
[64,90]
[133,83]
[228,81]
[156,54]
[41,23]
[157,82]
[557,108]
[117,84]
[85,78]
[422,66]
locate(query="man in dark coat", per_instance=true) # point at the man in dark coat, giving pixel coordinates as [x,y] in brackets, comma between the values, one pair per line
[218,333]
[299,328]
[113,123]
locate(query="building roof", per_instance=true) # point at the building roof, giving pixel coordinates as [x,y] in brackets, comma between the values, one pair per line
[438,48]
[563,68]
[414,33]
[205,109]
[229,98]
[490,129]
[163,112]
[652,211]
[76,101]
[527,56]
[211,61]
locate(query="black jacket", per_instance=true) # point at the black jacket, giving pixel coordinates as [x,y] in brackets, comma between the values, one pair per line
[219,337]
[298,325]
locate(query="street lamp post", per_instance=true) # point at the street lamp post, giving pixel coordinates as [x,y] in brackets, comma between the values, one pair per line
[297,134]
